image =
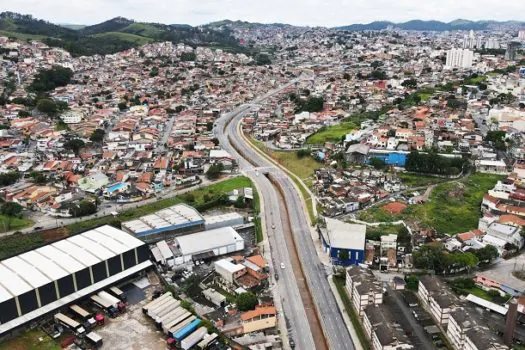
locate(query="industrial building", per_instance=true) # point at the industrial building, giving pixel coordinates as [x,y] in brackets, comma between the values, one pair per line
[177,219]
[223,220]
[40,281]
[343,242]
[207,244]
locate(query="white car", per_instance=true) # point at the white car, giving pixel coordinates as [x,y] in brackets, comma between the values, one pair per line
[273,226]
[282,265]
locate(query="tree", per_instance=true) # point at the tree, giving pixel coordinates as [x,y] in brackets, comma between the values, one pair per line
[215,171]
[9,178]
[38,177]
[487,253]
[188,56]
[378,74]
[11,209]
[23,113]
[74,145]
[410,83]
[83,208]
[240,202]
[262,59]
[209,126]
[303,153]
[246,301]
[122,106]
[377,163]
[47,105]
[49,79]
[97,135]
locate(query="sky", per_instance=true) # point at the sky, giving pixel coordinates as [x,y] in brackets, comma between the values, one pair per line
[297,12]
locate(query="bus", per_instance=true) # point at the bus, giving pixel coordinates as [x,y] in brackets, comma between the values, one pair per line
[118,293]
[153,303]
[208,341]
[69,323]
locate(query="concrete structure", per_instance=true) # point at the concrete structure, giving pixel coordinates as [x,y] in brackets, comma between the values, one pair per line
[435,298]
[344,243]
[263,317]
[500,235]
[228,270]
[363,288]
[208,244]
[491,167]
[459,58]
[40,281]
[223,220]
[383,331]
[176,219]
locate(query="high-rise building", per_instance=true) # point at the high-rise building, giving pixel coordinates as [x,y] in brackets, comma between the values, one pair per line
[472,42]
[459,58]
[492,44]
[512,47]
[521,35]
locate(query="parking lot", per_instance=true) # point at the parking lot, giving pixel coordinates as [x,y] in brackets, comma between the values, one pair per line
[132,329]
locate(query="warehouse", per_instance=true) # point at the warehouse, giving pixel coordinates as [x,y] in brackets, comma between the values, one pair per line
[223,220]
[179,218]
[208,244]
[344,243]
[37,282]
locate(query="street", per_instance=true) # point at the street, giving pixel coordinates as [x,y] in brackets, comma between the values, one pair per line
[331,319]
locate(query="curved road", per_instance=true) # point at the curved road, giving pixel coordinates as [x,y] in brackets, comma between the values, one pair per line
[331,319]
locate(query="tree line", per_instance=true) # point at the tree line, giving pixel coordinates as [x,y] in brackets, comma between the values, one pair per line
[433,163]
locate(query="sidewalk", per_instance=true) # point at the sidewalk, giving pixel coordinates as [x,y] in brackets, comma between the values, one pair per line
[348,322]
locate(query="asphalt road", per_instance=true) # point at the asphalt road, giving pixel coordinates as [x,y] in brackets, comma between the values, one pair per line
[331,318]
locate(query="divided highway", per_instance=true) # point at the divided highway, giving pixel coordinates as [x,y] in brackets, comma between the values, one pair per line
[332,322]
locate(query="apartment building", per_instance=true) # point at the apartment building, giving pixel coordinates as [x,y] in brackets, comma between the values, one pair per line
[383,331]
[436,298]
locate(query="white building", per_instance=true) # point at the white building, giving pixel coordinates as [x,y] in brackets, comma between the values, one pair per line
[433,295]
[459,58]
[521,35]
[72,117]
[228,270]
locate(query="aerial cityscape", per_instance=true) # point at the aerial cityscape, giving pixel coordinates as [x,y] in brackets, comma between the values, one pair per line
[268,181]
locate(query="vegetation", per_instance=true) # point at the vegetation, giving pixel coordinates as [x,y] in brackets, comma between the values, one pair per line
[246,301]
[11,209]
[188,56]
[114,35]
[97,135]
[74,145]
[47,105]
[49,79]
[497,138]
[453,207]
[434,257]
[434,163]
[18,243]
[214,171]
[465,286]
[310,104]
[31,340]
[332,133]
[377,163]
[84,208]
[418,180]
[9,178]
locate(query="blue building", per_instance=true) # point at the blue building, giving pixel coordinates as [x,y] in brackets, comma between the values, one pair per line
[343,242]
[394,158]
[522,72]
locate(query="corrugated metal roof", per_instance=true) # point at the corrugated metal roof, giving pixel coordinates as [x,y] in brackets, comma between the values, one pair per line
[64,260]
[47,266]
[94,248]
[207,240]
[12,282]
[112,245]
[26,271]
[4,294]
[79,253]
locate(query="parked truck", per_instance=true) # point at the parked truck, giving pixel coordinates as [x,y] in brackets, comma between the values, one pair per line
[104,305]
[94,339]
[180,325]
[166,310]
[69,323]
[152,312]
[85,316]
[153,303]
[193,338]
[190,328]
[173,314]
[118,293]
[208,341]
[172,324]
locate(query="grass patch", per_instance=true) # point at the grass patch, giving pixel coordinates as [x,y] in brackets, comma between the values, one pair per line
[8,223]
[202,198]
[137,39]
[480,293]
[415,180]
[18,243]
[340,284]
[332,133]
[425,96]
[453,207]
[21,36]
[143,29]
[30,341]
[375,232]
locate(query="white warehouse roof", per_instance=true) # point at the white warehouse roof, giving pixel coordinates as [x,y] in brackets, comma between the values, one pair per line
[207,240]
[343,235]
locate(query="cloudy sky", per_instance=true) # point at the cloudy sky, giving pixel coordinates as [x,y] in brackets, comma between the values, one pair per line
[297,12]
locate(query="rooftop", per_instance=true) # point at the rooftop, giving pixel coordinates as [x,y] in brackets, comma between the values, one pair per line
[345,236]
[208,240]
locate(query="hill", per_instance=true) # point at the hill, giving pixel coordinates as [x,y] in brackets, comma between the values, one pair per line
[419,25]
[111,36]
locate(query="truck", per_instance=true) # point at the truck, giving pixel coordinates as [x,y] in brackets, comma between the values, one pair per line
[180,325]
[152,312]
[166,310]
[69,323]
[169,325]
[104,304]
[94,339]
[208,341]
[173,314]
[85,316]
[193,338]
[115,302]
[154,302]
[187,330]
[118,293]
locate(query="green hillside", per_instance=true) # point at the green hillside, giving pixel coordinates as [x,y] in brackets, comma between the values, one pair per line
[132,38]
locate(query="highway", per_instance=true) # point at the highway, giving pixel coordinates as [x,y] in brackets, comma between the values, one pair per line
[334,328]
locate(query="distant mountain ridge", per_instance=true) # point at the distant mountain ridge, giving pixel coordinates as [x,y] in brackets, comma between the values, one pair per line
[420,25]
[112,36]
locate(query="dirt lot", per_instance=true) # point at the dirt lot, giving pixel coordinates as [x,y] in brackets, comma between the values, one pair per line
[133,330]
